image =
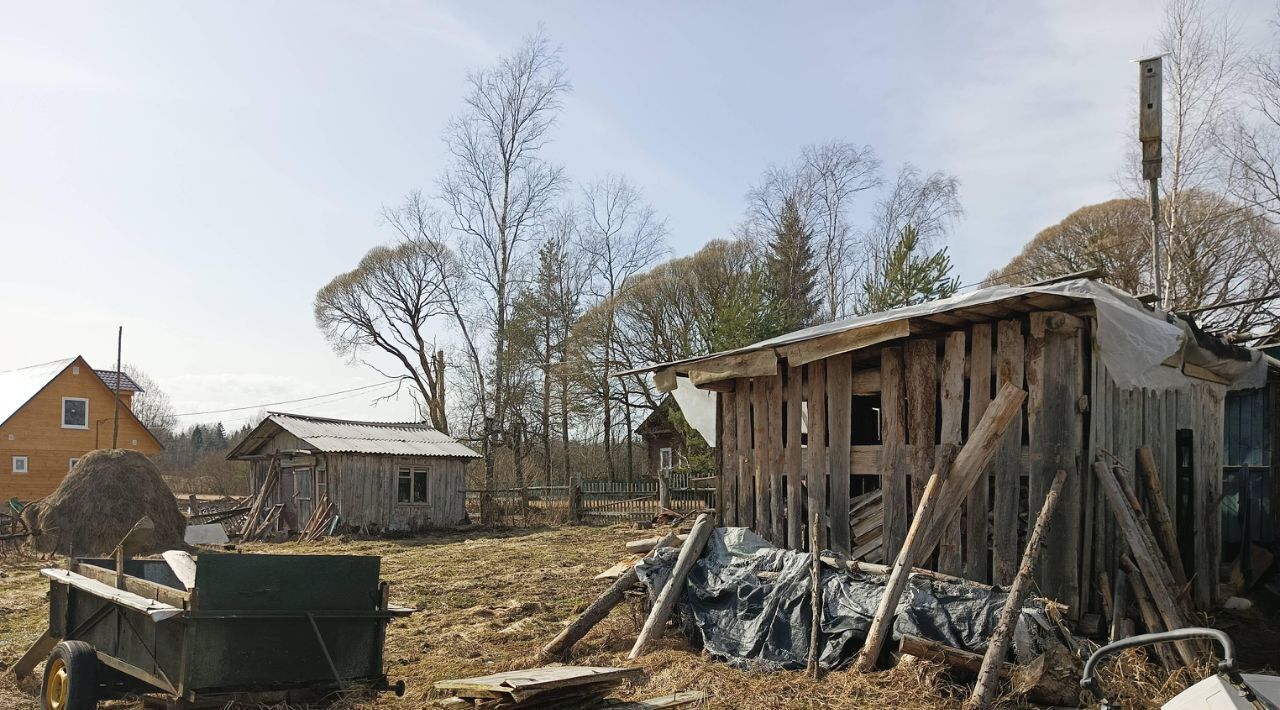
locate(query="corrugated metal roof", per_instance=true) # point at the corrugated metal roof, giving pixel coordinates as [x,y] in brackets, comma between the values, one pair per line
[343,436]
[126,382]
[17,387]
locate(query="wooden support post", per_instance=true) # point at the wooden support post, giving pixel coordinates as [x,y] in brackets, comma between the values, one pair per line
[893,481]
[840,423]
[746,470]
[728,432]
[815,597]
[950,557]
[977,505]
[666,601]
[984,690]
[927,528]
[922,410]
[1163,529]
[777,465]
[817,461]
[598,610]
[1010,366]
[901,572]
[760,457]
[795,459]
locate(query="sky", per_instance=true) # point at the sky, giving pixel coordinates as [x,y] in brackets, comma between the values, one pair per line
[195,171]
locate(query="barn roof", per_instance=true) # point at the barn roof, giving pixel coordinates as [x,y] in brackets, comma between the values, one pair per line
[342,436]
[1134,339]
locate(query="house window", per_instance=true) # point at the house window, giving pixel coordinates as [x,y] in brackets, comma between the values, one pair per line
[71,463]
[664,459]
[75,413]
[19,464]
[322,483]
[411,485]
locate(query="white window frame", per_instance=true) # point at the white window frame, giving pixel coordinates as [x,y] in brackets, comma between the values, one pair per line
[63,413]
[22,470]
[412,471]
[670,455]
[71,463]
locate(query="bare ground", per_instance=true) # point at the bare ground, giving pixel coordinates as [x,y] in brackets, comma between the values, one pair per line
[490,598]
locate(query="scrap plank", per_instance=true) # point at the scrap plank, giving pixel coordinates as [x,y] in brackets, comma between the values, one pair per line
[1207,478]
[950,559]
[976,506]
[840,423]
[690,552]
[818,463]
[728,502]
[746,469]
[795,459]
[922,409]
[893,437]
[1007,464]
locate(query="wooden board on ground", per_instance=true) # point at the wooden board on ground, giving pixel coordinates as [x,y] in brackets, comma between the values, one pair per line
[524,684]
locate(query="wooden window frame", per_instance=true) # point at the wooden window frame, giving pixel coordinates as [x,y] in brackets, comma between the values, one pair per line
[26,465]
[63,413]
[413,471]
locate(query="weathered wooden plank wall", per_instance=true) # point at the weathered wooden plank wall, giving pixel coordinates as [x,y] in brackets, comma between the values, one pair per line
[788,448]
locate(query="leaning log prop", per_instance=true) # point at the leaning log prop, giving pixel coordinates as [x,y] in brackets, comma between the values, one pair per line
[998,645]
[926,528]
[599,609]
[666,601]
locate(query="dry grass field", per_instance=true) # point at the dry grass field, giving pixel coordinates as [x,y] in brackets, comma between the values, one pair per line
[489,599]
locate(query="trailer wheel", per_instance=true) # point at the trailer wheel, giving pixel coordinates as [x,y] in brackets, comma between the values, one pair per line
[70,678]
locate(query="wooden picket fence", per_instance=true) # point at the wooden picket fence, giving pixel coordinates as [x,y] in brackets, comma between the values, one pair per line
[598,501]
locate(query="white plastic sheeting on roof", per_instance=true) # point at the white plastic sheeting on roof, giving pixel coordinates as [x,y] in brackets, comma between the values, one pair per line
[396,438]
[1134,340]
[699,408]
[17,387]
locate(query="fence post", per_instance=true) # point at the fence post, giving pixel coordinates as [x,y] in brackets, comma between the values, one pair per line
[575,501]
[664,490]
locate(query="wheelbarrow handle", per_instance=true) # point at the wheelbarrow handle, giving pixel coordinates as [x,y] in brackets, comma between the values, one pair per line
[1227,665]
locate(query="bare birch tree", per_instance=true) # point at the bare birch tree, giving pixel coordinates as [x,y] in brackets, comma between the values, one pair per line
[1254,144]
[621,235]
[497,193]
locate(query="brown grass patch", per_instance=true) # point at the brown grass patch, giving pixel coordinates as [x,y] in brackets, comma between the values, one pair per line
[490,598]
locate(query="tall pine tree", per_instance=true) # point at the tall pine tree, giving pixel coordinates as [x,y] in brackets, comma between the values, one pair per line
[791,274]
[907,275]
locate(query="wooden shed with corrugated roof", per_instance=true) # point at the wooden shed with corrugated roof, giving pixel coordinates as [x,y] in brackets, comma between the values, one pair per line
[811,420]
[381,476]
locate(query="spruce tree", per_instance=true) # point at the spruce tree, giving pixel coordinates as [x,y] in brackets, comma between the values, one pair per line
[908,276]
[791,274]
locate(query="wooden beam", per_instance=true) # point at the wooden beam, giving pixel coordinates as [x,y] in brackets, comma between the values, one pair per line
[728,503]
[818,454]
[795,459]
[950,559]
[777,464]
[826,346]
[921,382]
[761,363]
[746,468]
[1007,467]
[666,601]
[760,455]
[893,479]
[1162,527]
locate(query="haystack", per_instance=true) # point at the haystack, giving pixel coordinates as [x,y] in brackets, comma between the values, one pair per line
[98,503]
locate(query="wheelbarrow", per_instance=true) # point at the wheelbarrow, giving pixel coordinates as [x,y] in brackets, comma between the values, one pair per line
[1226,689]
[213,630]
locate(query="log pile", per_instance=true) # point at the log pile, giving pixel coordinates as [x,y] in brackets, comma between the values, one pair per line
[322,520]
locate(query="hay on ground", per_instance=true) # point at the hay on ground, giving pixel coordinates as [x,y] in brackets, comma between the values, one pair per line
[102,498]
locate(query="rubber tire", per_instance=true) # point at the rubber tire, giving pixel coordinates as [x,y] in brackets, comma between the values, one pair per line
[81,663]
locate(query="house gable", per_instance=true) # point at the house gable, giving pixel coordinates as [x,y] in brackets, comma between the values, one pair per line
[34,431]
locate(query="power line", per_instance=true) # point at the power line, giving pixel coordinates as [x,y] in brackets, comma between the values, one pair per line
[287,401]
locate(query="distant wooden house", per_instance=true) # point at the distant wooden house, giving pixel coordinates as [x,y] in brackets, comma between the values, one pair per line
[381,476]
[810,420]
[53,413]
[665,439]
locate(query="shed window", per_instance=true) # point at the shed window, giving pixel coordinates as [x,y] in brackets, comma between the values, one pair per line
[71,463]
[411,485]
[75,413]
[19,464]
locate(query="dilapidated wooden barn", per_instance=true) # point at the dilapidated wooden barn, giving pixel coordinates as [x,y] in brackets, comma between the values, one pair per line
[380,476]
[811,420]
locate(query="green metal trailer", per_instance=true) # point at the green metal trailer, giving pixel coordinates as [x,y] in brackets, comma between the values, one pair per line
[217,629]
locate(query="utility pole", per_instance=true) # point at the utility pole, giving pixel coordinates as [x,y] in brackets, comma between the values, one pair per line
[1150,102]
[115,426]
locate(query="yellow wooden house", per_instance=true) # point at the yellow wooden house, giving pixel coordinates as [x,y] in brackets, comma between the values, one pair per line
[53,413]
